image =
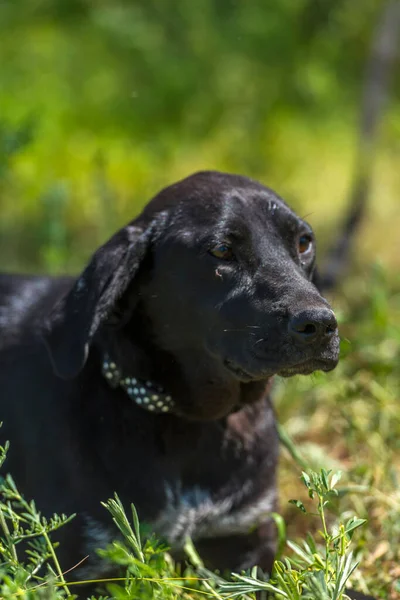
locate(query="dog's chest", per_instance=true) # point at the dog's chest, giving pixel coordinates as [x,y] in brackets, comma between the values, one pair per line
[224,486]
[234,490]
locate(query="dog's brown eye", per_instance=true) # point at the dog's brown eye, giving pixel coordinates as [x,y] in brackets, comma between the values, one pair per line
[305,244]
[222,251]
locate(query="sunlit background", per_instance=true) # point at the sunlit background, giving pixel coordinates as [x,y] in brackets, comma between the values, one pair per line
[104,102]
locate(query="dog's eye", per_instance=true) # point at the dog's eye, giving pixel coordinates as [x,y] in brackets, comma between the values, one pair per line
[222,251]
[305,244]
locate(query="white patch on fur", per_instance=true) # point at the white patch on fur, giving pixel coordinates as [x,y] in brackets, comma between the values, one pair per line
[97,536]
[194,513]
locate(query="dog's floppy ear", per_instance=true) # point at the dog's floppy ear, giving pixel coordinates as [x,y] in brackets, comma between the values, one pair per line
[75,319]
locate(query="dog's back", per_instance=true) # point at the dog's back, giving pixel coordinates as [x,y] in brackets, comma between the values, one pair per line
[24,299]
[25,372]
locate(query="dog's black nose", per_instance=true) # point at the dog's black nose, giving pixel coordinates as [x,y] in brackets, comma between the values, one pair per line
[312,325]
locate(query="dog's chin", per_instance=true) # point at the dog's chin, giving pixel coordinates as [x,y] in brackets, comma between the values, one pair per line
[308,367]
[245,375]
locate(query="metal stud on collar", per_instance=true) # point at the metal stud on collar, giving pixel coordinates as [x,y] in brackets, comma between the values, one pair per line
[145,394]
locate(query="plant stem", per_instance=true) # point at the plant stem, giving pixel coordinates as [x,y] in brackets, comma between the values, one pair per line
[7,534]
[326,534]
[56,563]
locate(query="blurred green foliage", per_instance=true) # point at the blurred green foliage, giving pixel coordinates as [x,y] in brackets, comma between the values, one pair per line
[102,103]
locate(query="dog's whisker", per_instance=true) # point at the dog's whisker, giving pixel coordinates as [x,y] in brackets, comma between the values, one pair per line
[308,215]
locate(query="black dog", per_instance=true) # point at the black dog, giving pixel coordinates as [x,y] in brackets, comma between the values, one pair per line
[149,374]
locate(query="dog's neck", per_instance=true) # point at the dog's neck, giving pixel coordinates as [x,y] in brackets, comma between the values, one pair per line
[196,385]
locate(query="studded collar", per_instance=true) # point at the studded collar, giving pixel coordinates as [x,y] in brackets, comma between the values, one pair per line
[146,394]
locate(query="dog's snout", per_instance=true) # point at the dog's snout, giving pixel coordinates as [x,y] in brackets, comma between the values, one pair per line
[312,325]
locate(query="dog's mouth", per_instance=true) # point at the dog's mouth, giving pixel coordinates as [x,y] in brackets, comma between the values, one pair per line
[239,372]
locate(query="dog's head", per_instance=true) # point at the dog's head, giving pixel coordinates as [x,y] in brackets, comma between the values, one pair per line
[223,268]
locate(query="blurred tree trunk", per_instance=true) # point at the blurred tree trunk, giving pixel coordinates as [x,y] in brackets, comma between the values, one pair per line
[379,71]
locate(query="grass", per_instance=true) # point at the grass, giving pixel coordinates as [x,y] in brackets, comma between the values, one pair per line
[340,497]
[314,570]
[349,420]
